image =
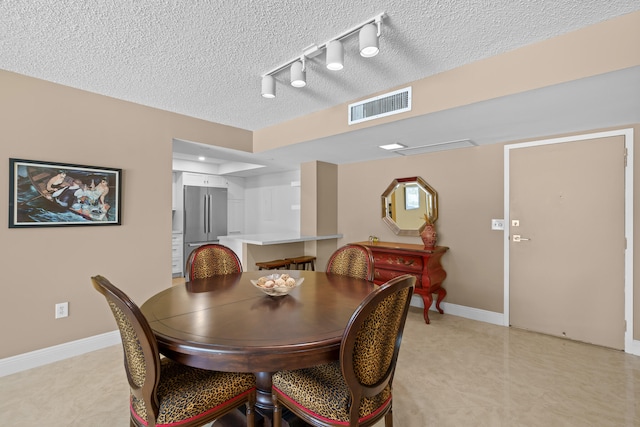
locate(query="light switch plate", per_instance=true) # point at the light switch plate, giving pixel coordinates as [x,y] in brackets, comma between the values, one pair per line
[497,224]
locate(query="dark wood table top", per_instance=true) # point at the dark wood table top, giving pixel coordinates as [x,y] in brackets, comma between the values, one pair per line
[225,323]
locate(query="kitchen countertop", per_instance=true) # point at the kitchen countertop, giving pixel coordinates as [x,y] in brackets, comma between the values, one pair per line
[275,238]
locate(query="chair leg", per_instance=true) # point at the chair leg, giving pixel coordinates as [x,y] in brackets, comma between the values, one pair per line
[388,418]
[250,412]
[277,413]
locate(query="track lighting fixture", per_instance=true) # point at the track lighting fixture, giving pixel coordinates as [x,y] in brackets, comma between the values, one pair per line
[268,87]
[298,74]
[369,40]
[335,55]
[368,34]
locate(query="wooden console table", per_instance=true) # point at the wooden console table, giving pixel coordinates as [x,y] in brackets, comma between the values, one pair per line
[394,259]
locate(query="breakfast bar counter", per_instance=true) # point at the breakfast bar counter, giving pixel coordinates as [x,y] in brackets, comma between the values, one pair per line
[273,238]
[252,248]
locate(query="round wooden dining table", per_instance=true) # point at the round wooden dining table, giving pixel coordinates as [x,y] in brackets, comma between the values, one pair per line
[225,323]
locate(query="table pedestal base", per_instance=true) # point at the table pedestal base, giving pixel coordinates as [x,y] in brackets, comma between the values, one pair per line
[264,398]
[237,419]
[264,404]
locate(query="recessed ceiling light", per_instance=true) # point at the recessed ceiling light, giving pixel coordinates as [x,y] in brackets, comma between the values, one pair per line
[201,158]
[393,146]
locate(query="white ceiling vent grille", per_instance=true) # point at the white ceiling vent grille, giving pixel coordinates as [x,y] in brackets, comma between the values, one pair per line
[390,103]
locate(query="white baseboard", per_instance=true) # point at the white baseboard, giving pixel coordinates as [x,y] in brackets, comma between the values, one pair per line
[22,362]
[634,348]
[33,359]
[462,311]
[491,317]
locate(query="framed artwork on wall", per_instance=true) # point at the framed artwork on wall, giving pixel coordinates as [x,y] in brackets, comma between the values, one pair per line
[48,194]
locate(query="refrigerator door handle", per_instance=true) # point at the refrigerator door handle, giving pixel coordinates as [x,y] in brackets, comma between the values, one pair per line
[204,216]
[208,214]
[211,216]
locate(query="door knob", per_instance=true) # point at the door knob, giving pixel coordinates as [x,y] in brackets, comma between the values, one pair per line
[518,238]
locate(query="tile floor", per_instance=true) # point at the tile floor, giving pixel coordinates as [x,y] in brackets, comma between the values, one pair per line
[453,372]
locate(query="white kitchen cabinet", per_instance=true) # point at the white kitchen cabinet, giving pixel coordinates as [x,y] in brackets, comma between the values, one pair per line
[202,180]
[174,186]
[176,254]
[236,188]
[235,207]
[235,216]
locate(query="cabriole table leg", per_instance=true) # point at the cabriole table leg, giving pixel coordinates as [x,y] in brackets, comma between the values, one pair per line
[441,294]
[427,300]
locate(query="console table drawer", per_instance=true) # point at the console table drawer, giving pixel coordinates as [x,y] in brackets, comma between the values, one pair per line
[401,262]
[382,276]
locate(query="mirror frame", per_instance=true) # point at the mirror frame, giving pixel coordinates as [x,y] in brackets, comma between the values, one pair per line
[433,215]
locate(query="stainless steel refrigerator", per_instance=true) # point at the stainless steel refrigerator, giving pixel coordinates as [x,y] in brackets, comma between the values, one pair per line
[205,216]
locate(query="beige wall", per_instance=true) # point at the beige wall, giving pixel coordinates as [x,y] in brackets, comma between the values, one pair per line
[45,121]
[470,185]
[319,208]
[44,266]
[470,180]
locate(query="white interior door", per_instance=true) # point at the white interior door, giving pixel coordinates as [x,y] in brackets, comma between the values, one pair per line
[567,271]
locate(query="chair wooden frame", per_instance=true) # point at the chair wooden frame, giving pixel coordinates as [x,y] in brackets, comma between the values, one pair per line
[235,266]
[355,248]
[357,388]
[149,347]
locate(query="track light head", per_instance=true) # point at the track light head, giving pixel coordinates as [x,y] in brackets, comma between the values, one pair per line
[368,33]
[298,74]
[335,55]
[369,40]
[268,87]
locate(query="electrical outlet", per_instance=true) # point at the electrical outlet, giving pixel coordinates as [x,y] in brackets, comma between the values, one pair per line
[497,224]
[62,310]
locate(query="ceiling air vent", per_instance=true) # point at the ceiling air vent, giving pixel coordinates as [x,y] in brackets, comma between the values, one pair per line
[390,103]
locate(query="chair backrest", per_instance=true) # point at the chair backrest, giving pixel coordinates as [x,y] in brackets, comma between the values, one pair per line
[371,341]
[352,260]
[141,355]
[211,260]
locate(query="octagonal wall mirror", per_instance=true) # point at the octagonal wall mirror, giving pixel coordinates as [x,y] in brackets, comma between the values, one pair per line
[406,202]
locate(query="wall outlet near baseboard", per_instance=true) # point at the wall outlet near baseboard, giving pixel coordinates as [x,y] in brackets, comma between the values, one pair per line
[62,310]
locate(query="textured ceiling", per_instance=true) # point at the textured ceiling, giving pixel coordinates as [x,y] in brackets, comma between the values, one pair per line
[205,58]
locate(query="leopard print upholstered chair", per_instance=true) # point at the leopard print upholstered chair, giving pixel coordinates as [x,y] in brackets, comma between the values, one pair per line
[211,260]
[352,260]
[166,393]
[355,390]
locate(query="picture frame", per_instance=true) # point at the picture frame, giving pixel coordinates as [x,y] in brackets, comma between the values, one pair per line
[51,194]
[411,197]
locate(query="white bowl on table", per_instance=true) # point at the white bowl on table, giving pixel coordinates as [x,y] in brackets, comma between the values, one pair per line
[272,286]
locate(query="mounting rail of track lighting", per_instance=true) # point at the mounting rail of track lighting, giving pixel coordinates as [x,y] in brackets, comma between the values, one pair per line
[369,33]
